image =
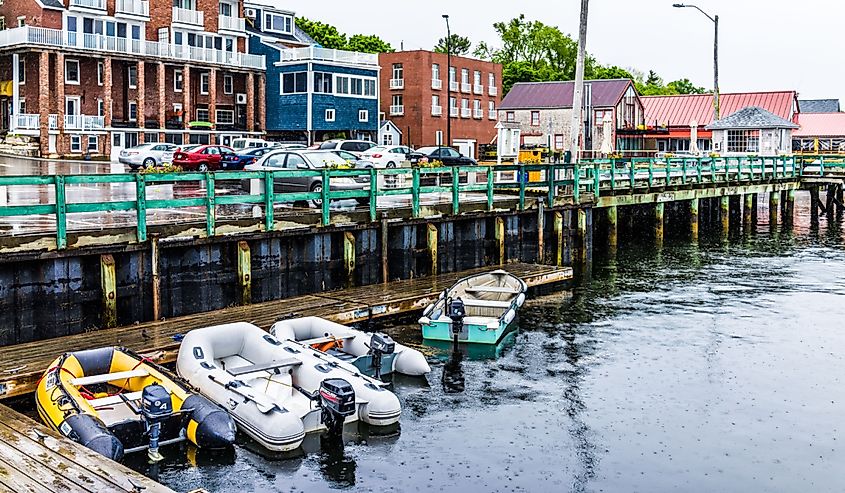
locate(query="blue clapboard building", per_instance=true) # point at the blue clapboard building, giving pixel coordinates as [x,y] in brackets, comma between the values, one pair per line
[313,93]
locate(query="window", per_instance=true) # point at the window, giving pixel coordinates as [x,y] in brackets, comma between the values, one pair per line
[22,105]
[72,72]
[323,82]
[225,117]
[178,81]
[100,73]
[387,139]
[357,87]
[397,100]
[132,76]
[743,141]
[133,111]
[277,23]
[476,105]
[75,143]
[559,141]
[510,116]
[602,115]
[93,144]
[294,83]
[202,114]
[228,84]
[535,118]
[435,101]
[101,108]
[363,115]
[452,74]
[342,85]
[477,78]
[22,70]
[21,21]
[398,71]
[204,83]
[438,138]
[330,114]
[226,9]
[491,110]
[2,20]
[435,71]
[491,80]
[465,76]
[370,88]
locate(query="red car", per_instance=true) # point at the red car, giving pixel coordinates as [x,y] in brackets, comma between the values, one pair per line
[201,157]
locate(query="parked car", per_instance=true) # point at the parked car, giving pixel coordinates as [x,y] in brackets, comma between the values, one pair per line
[241,144]
[147,155]
[354,146]
[353,159]
[240,159]
[307,160]
[201,157]
[449,156]
[386,156]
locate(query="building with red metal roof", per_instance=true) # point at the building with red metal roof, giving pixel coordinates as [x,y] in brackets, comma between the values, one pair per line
[819,132]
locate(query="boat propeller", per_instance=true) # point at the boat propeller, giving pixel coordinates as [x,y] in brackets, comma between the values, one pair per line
[156,407]
[380,344]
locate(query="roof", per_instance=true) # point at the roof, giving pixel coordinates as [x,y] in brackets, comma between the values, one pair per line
[272,4]
[820,125]
[56,4]
[818,105]
[682,110]
[530,95]
[389,123]
[751,117]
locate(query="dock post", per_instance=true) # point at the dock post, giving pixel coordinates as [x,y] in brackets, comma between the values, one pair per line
[789,207]
[244,273]
[814,205]
[349,256]
[840,198]
[725,213]
[500,237]
[774,208]
[154,260]
[748,210]
[582,234]
[658,222]
[541,226]
[612,226]
[693,219]
[385,275]
[108,281]
[431,243]
[559,236]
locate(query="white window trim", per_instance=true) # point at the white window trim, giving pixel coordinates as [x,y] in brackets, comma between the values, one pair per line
[77,146]
[175,73]
[350,77]
[231,120]
[363,116]
[21,20]
[101,73]
[266,25]
[96,144]
[208,115]
[129,78]
[331,114]
[282,83]
[22,105]
[231,80]
[71,60]
[129,111]
[205,79]
[22,73]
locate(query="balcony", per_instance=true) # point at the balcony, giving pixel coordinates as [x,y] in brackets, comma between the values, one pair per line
[232,24]
[88,4]
[492,91]
[193,18]
[453,112]
[397,83]
[53,122]
[84,122]
[478,89]
[397,110]
[27,121]
[477,114]
[132,8]
[436,110]
[466,87]
[491,114]
[466,112]
[436,84]
[314,53]
[55,38]
[453,86]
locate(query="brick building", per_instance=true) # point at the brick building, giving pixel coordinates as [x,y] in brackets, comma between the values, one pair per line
[418,94]
[96,76]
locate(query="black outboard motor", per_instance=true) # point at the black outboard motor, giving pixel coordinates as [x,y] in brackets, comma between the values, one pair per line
[380,344]
[456,310]
[156,407]
[337,399]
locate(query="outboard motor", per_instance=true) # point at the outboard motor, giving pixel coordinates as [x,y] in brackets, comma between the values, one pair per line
[380,344]
[456,311]
[337,400]
[156,407]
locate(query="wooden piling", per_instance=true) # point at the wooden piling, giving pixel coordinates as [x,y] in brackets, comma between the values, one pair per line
[154,261]
[658,221]
[431,243]
[612,226]
[789,207]
[559,236]
[815,205]
[244,273]
[541,226]
[693,219]
[725,214]
[582,234]
[384,251]
[500,237]
[108,282]
[748,210]
[774,208]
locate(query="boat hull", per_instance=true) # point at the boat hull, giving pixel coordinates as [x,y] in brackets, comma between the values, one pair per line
[438,330]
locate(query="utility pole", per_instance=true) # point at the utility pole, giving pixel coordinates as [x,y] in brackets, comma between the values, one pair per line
[448,82]
[578,90]
[715,20]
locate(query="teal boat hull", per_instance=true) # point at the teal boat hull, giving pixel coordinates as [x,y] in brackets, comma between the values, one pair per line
[476,334]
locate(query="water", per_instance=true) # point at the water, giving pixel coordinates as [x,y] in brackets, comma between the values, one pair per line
[687,368]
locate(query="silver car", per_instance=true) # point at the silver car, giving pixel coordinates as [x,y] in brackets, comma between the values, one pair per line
[309,160]
[147,155]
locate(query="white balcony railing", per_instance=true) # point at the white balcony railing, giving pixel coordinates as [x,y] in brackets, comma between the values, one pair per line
[466,112]
[328,55]
[132,7]
[39,36]
[453,86]
[187,16]
[89,4]
[478,89]
[53,122]
[478,114]
[27,121]
[84,122]
[436,84]
[397,109]
[397,83]
[466,87]
[492,91]
[453,112]
[227,23]
[436,110]
[73,122]
[491,114]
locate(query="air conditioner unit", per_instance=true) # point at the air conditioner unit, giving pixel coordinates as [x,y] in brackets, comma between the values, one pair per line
[249,13]
[241,98]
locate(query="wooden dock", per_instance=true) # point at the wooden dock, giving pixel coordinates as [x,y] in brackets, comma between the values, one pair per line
[23,364]
[35,459]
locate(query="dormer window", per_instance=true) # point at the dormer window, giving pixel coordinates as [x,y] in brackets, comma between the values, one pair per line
[278,23]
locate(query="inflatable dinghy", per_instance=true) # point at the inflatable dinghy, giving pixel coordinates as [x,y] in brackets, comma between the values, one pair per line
[373,354]
[277,391]
[115,402]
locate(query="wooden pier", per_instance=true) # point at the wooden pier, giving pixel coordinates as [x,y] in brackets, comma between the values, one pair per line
[35,459]
[159,340]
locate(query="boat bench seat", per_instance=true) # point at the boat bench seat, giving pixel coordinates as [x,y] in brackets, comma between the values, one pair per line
[487,303]
[492,289]
[322,340]
[271,365]
[116,399]
[110,377]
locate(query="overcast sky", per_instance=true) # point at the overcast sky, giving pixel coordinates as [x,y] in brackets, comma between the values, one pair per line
[763,45]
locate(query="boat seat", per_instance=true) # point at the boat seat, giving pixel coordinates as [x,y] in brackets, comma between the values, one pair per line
[343,356]
[487,303]
[492,289]
[116,399]
[272,365]
[109,377]
[322,340]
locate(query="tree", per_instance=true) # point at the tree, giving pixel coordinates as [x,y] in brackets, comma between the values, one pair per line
[368,44]
[684,86]
[325,35]
[611,72]
[459,45]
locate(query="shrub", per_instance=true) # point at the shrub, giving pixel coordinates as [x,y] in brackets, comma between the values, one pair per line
[157,170]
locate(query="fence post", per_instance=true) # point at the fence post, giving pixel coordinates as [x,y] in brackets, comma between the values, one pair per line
[490,177]
[141,206]
[596,180]
[269,200]
[415,192]
[431,243]
[373,193]
[576,181]
[651,171]
[632,171]
[210,207]
[245,272]
[325,216]
[108,283]
[613,174]
[61,213]
[550,179]
[349,256]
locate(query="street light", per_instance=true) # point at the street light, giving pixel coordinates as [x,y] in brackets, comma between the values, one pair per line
[448,82]
[715,20]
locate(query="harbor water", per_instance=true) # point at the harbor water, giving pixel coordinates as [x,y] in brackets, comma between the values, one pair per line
[708,367]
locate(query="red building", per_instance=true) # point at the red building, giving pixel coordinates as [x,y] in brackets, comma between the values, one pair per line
[95,76]
[418,94]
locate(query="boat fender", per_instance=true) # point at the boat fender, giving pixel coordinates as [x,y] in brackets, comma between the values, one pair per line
[410,362]
[424,321]
[93,434]
[209,426]
[509,316]
[520,300]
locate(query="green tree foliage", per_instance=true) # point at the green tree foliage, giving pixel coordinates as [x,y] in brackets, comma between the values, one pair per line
[460,45]
[368,44]
[328,36]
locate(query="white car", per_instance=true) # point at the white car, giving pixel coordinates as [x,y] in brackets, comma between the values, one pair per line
[147,155]
[386,156]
